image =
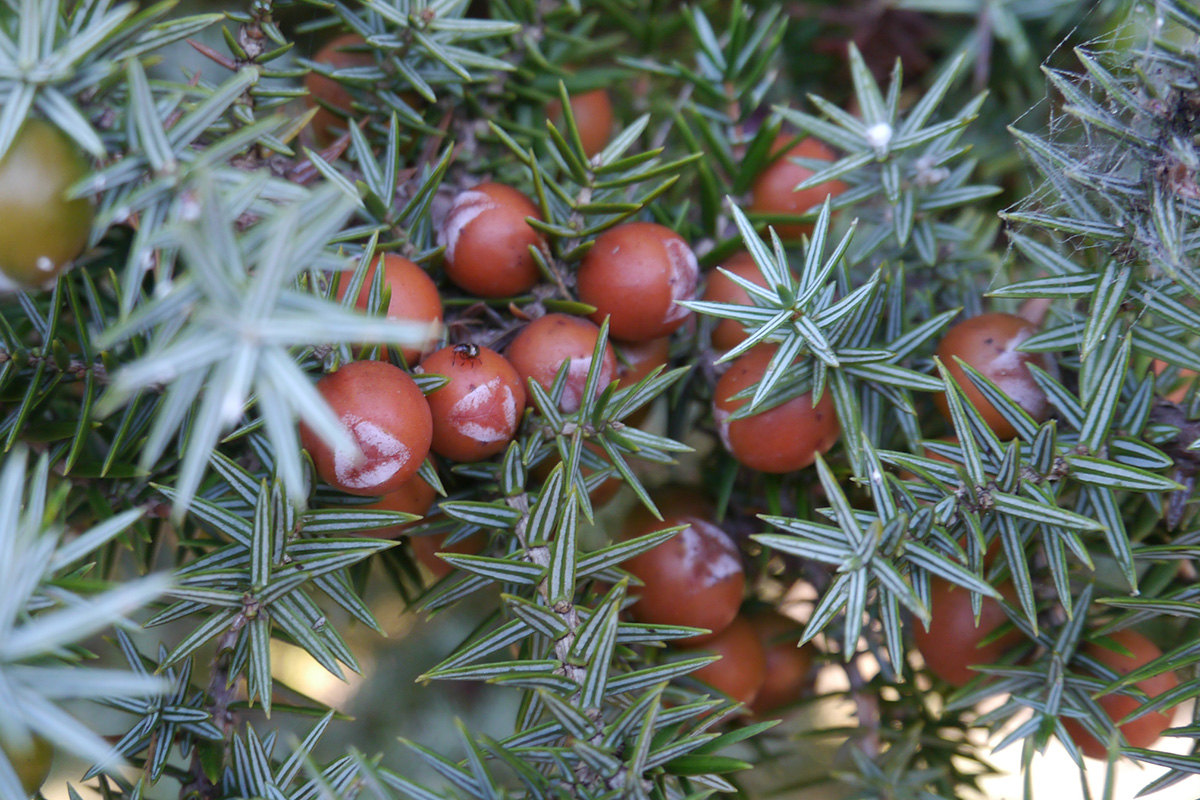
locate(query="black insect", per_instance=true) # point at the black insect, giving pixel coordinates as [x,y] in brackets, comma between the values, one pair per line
[468,352]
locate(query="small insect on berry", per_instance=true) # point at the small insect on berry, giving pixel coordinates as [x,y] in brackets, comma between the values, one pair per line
[477,412]
[466,353]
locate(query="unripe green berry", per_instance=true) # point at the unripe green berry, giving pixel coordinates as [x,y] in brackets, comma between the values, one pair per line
[40,230]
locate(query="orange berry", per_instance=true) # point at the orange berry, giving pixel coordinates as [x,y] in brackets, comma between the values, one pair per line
[635,274]
[774,192]
[729,333]
[386,415]
[477,413]
[593,114]
[599,495]
[425,549]
[989,344]
[785,438]
[414,295]
[542,346]
[487,241]
[952,643]
[331,115]
[743,666]
[694,578]
[1177,394]
[787,666]
[636,360]
[414,496]
[1143,731]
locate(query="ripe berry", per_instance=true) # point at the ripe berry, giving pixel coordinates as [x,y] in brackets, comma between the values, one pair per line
[542,346]
[426,548]
[1143,731]
[989,344]
[40,230]
[414,295]
[952,643]
[476,414]
[593,114]
[743,666]
[774,192]
[694,578]
[1183,383]
[785,438]
[339,53]
[636,360]
[31,761]
[414,496]
[634,274]
[729,333]
[487,241]
[386,415]
[787,666]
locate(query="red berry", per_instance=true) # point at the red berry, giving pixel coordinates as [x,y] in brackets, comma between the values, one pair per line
[952,643]
[729,333]
[487,241]
[634,274]
[694,578]
[414,295]
[785,438]
[344,52]
[425,550]
[743,666]
[1143,731]
[989,344]
[636,360]
[476,414]
[414,496]
[1184,381]
[787,666]
[542,346]
[386,415]
[774,192]
[593,114]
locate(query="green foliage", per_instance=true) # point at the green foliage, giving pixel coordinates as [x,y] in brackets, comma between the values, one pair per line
[162,379]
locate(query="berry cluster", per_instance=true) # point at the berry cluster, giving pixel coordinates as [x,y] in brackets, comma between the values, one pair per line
[559,280]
